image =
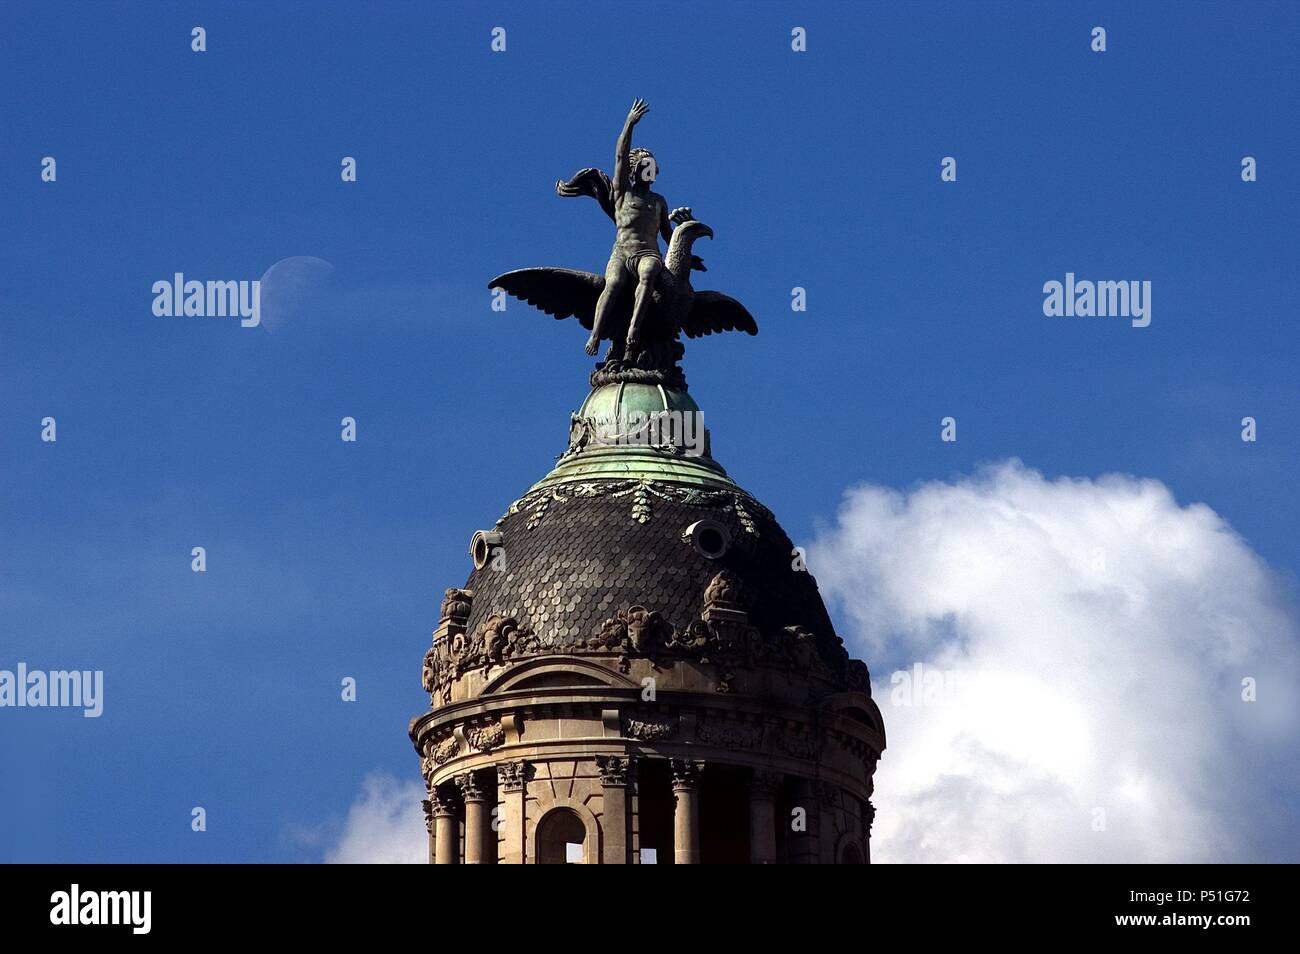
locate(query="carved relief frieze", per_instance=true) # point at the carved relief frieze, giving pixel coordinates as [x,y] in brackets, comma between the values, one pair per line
[651,730]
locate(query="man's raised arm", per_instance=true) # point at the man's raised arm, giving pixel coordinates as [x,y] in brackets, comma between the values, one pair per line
[624,146]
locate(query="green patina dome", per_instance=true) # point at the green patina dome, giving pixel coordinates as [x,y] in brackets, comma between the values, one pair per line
[610,438]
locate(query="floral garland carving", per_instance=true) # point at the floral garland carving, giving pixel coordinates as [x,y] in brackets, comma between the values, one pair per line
[537,502]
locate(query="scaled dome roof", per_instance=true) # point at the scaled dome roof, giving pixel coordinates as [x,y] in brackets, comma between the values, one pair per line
[607,530]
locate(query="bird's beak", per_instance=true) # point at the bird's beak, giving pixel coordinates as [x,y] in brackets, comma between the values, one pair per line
[705,230]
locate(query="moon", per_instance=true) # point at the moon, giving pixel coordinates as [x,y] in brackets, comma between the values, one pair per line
[292,289]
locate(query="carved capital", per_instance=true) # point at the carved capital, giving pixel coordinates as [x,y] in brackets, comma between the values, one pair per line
[686,774]
[613,769]
[440,804]
[870,815]
[512,776]
[470,789]
[764,785]
[427,805]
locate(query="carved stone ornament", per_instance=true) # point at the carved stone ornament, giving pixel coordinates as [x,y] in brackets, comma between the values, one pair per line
[722,637]
[485,738]
[800,745]
[470,789]
[634,631]
[650,731]
[456,605]
[730,735]
[442,752]
[858,677]
[440,803]
[512,776]
[686,774]
[723,590]
[613,769]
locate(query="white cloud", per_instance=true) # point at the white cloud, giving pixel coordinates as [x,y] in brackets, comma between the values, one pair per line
[1094,636]
[385,825]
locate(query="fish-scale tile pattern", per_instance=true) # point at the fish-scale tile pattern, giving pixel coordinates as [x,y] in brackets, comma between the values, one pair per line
[588,558]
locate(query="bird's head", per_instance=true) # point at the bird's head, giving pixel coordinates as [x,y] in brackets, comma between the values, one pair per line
[680,261]
[693,230]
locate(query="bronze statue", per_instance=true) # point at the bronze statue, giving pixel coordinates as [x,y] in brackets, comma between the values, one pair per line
[643,301]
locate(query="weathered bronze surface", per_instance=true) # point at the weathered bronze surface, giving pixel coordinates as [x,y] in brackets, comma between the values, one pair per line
[644,301]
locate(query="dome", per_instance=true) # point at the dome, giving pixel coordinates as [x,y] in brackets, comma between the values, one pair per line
[640,667]
[619,522]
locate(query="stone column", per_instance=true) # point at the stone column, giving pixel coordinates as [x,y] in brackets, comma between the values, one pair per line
[613,785]
[805,845]
[512,795]
[686,816]
[763,789]
[828,796]
[476,824]
[446,828]
[429,827]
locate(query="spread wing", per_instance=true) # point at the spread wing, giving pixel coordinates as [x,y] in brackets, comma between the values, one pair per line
[590,182]
[713,311]
[557,291]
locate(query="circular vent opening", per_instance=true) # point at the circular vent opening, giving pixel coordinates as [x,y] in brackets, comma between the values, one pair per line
[710,538]
[481,546]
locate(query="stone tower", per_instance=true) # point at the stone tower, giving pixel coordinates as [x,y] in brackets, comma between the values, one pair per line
[640,670]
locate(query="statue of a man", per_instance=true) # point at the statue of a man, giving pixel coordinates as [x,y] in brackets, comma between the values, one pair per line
[644,297]
[640,216]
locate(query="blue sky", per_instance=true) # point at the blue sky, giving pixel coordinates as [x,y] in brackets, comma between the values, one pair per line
[818,170]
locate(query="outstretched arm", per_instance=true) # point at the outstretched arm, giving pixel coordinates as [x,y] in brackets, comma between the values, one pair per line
[624,145]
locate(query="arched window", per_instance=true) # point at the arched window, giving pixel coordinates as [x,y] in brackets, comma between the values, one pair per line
[561,838]
[851,855]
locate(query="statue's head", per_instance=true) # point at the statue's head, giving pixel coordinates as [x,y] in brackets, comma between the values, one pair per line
[643,169]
